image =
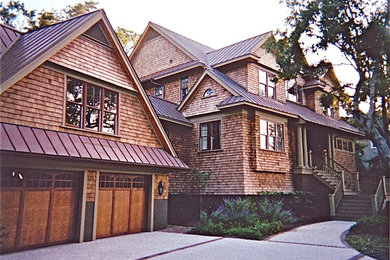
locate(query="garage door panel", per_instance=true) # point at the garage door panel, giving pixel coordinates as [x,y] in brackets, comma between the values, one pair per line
[137,210]
[34,218]
[103,228]
[62,216]
[9,212]
[121,211]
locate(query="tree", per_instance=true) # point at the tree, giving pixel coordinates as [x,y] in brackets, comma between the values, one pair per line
[16,15]
[127,37]
[360,30]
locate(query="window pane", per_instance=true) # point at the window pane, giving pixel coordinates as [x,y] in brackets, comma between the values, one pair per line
[73,114]
[271,92]
[279,131]
[93,96]
[263,77]
[109,120]
[215,128]
[263,142]
[203,143]
[184,93]
[262,90]
[92,118]
[345,145]
[263,127]
[203,130]
[184,82]
[110,101]
[216,142]
[209,92]
[270,80]
[271,144]
[74,91]
[158,91]
[271,129]
[279,144]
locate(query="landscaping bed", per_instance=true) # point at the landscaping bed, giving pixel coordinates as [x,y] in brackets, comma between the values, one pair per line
[253,218]
[370,236]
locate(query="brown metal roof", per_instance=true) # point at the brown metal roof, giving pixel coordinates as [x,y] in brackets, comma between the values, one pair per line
[32,44]
[24,139]
[167,110]
[8,36]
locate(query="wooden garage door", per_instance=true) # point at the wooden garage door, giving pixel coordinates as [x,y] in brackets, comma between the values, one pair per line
[121,205]
[37,208]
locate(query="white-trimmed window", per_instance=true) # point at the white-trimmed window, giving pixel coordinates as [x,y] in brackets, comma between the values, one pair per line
[271,136]
[210,136]
[184,87]
[266,85]
[209,92]
[344,145]
[159,91]
[91,107]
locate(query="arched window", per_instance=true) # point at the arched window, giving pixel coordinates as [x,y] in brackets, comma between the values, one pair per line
[209,92]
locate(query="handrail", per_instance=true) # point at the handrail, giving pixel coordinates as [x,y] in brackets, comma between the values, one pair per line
[319,164]
[350,177]
[379,197]
[335,198]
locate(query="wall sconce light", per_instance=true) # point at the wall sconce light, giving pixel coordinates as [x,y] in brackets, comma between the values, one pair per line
[160,188]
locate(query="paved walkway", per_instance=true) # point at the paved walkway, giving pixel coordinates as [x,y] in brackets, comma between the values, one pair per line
[316,241]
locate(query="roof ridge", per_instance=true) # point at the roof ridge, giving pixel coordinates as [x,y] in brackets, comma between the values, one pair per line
[66,20]
[239,42]
[182,36]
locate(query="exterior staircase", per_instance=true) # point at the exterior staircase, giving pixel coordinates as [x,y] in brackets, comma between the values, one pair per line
[353,207]
[351,199]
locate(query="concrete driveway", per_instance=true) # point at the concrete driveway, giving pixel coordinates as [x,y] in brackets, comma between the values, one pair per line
[315,241]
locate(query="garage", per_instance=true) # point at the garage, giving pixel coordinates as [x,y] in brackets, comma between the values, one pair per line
[122,205]
[38,208]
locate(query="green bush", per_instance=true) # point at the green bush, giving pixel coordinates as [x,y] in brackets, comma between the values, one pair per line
[245,218]
[244,232]
[374,225]
[272,211]
[269,228]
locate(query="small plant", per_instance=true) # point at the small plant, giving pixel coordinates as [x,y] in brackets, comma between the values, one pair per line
[235,212]
[245,232]
[273,211]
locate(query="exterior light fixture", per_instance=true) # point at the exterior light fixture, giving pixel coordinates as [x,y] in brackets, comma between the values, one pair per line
[160,188]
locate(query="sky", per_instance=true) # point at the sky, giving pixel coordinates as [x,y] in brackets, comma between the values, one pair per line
[215,23]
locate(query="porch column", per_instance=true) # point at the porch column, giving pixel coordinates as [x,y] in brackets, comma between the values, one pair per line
[330,149]
[299,146]
[305,151]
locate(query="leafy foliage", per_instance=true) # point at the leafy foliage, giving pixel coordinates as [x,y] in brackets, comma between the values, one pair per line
[370,235]
[245,218]
[357,29]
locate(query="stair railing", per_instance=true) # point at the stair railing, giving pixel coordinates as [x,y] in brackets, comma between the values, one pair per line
[318,164]
[379,198]
[351,179]
[335,198]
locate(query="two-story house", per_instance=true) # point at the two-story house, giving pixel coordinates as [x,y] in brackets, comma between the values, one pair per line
[223,112]
[83,153]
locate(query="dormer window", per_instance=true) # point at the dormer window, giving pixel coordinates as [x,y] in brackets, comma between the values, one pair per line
[184,83]
[159,91]
[293,93]
[209,92]
[266,85]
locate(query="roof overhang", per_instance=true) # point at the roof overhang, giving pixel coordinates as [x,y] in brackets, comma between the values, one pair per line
[246,103]
[168,119]
[250,57]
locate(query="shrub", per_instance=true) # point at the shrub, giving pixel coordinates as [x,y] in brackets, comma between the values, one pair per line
[269,228]
[244,232]
[374,225]
[208,227]
[235,212]
[273,211]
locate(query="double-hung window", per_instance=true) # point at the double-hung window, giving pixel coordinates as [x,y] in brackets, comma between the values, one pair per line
[159,91]
[210,136]
[266,85]
[91,107]
[184,87]
[271,136]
